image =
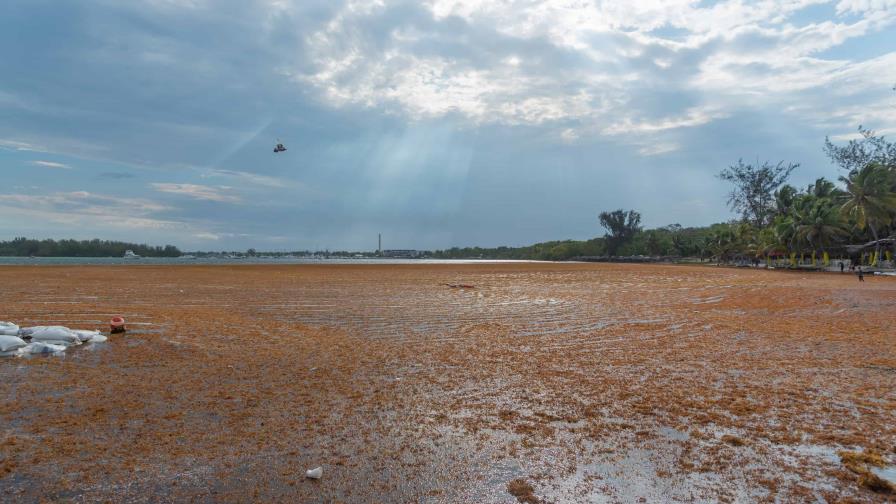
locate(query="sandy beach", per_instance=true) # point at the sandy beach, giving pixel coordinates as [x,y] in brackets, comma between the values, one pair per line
[556,382]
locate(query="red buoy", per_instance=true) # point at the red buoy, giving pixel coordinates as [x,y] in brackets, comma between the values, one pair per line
[117,324]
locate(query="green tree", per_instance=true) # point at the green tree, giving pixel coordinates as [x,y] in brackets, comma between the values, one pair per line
[680,245]
[857,154]
[784,198]
[754,187]
[653,243]
[768,242]
[822,188]
[86,248]
[721,243]
[621,227]
[785,233]
[870,198]
[819,224]
[747,239]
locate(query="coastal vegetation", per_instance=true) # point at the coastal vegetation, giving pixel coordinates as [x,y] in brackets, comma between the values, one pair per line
[24,247]
[853,217]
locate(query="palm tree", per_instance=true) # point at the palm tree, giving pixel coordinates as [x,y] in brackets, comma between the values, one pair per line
[822,188]
[768,242]
[722,242]
[870,198]
[785,233]
[784,199]
[819,224]
[747,239]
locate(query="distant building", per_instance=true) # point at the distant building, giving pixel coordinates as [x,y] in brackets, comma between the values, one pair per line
[404,254]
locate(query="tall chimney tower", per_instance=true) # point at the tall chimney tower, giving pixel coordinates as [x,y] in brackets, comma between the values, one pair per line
[379,244]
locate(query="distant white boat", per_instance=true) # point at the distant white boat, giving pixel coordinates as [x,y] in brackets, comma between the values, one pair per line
[188,256]
[129,254]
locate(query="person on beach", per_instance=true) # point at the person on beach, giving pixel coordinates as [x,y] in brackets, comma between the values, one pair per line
[841,266]
[861,275]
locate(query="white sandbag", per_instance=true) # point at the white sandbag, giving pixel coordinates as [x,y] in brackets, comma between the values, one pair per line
[28,331]
[65,343]
[43,348]
[85,335]
[8,329]
[11,353]
[51,334]
[99,338]
[11,343]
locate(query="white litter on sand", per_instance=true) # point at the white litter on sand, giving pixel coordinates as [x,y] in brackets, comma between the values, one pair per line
[85,335]
[43,339]
[315,473]
[8,329]
[57,335]
[11,343]
[43,348]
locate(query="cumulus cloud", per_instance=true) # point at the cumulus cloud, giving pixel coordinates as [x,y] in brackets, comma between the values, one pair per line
[196,191]
[586,66]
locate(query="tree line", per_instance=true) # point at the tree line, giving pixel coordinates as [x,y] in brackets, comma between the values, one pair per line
[672,240]
[776,220]
[24,247]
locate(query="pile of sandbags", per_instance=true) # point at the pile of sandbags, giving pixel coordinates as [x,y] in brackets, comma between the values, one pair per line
[43,348]
[56,335]
[42,339]
[89,335]
[8,329]
[11,345]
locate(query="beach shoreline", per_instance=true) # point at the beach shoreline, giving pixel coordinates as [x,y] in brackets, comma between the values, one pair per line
[604,382]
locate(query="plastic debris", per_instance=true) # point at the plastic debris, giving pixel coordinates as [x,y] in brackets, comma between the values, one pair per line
[8,329]
[43,339]
[56,335]
[116,325]
[85,335]
[43,348]
[10,345]
[315,473]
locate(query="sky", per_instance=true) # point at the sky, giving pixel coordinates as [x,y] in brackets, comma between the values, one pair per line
[437,123]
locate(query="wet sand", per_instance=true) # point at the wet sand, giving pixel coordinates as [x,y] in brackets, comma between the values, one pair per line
[589,382]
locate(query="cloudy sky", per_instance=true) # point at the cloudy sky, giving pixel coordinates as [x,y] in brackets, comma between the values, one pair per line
[435,122]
